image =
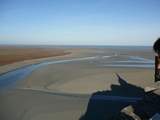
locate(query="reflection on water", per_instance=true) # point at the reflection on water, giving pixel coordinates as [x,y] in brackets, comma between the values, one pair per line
[132,62]
[130,66]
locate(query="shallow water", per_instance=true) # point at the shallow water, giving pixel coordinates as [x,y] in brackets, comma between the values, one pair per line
[8,79]
[132,62]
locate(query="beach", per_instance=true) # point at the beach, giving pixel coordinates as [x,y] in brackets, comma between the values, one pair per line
[59,87]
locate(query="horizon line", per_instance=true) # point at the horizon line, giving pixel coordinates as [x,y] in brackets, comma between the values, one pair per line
[71,45]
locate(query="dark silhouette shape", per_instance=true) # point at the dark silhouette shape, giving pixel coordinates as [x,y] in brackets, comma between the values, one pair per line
[106,105]
[149,106]
[123,116]
[156,48]
[157,70]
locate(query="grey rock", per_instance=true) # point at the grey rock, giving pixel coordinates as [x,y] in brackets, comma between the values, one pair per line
[127,114]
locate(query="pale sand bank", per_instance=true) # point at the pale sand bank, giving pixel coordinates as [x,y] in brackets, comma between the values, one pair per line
[86,80]
[100,82]
[36,105]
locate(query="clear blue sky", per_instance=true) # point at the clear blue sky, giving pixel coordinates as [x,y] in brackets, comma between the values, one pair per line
[79,22]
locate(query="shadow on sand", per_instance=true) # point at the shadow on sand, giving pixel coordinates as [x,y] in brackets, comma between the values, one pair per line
[107,105]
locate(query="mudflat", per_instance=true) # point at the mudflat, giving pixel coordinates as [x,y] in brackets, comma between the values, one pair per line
[61,90]
[12,54]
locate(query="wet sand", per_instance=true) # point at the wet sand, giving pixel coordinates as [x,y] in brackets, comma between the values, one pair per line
[61,91]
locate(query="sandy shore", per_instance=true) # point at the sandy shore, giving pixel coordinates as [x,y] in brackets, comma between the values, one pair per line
[61,91]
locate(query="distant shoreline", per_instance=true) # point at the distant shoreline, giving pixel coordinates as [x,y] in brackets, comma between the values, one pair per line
[70,46]
[13,54]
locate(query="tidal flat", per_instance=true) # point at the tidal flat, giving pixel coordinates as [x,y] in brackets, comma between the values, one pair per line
[61,86]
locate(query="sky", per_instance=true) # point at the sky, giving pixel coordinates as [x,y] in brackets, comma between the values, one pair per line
[79,22]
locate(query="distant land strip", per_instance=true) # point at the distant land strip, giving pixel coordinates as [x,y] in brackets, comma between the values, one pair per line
[12,54]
